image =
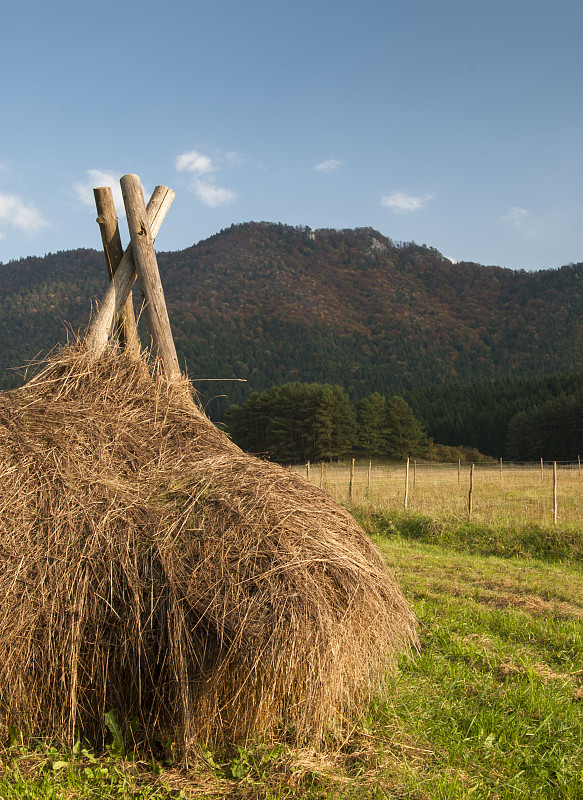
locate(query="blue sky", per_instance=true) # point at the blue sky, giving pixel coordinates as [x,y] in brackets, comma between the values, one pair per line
[457,124]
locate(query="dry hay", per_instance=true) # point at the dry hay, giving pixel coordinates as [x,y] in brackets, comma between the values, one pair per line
[151,567]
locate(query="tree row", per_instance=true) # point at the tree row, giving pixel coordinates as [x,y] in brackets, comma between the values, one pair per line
[311,421]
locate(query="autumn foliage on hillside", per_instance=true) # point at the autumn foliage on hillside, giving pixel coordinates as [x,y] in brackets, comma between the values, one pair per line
[272,304]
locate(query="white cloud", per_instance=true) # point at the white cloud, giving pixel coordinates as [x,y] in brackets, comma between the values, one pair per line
[403,203]
[328,166]
[212,195]
[522,221]
[199,165]
[516,216]
[194,162]
[19,214]
[235,159]
[95,179]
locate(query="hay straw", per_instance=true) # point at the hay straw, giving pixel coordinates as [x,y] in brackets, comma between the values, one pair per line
[151,567]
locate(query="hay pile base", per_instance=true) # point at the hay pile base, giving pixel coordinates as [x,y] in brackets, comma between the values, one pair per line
[149,566]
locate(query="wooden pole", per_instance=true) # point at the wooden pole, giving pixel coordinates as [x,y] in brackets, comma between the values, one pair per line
[579,464]
[107,221]
[321,474]
[542,470]
[351,481]
[308,470]
[147,269]
[554,492]
[125,276]
[471,492]
[368,479]
[406,484]
[414,473]
[459,468]
[500,467]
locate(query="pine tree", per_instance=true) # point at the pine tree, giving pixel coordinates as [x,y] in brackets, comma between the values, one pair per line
[294,422]
[335,424]
[405,436]
[371,419]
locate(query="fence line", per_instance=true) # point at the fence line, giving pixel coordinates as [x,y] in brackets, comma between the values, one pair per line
[545,493]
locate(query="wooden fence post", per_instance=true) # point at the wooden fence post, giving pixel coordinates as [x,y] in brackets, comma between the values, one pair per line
[368,479]
[459,467]
[308,470]
[470,493]
[406,484]
[113,251]
[579,463]
[500,467]
[554,492]
[321,474]
[125,276]
[542,470]
[147,269]
[351,481]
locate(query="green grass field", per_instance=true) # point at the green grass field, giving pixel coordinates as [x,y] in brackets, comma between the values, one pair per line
[491,707]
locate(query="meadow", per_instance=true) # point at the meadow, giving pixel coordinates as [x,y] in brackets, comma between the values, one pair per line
[490,707]
[505,493]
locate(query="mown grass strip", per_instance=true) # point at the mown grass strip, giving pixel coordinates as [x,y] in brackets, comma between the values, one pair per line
[495,698]
[560,543]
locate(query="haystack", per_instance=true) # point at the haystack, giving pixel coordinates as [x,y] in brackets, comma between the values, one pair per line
[149,566]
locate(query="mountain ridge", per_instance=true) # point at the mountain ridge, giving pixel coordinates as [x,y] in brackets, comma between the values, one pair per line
[271,303]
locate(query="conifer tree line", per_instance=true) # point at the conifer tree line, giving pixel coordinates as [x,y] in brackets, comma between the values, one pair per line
[520,419]
[553,431]
[299,422]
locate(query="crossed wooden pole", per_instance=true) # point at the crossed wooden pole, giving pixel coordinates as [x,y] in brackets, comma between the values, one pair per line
[138,261]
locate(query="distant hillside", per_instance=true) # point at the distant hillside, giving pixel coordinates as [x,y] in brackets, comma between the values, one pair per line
[272,303]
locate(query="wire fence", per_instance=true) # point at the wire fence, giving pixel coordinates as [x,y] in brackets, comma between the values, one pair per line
[545,493]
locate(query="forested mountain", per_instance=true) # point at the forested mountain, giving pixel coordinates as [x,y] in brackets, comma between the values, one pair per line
[272,304]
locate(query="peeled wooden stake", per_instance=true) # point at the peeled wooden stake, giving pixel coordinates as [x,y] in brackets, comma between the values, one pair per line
[147,269]
[125,276]
[107,221]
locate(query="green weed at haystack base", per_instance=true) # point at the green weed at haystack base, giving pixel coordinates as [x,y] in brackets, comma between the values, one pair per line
[43,771]
[560,543]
